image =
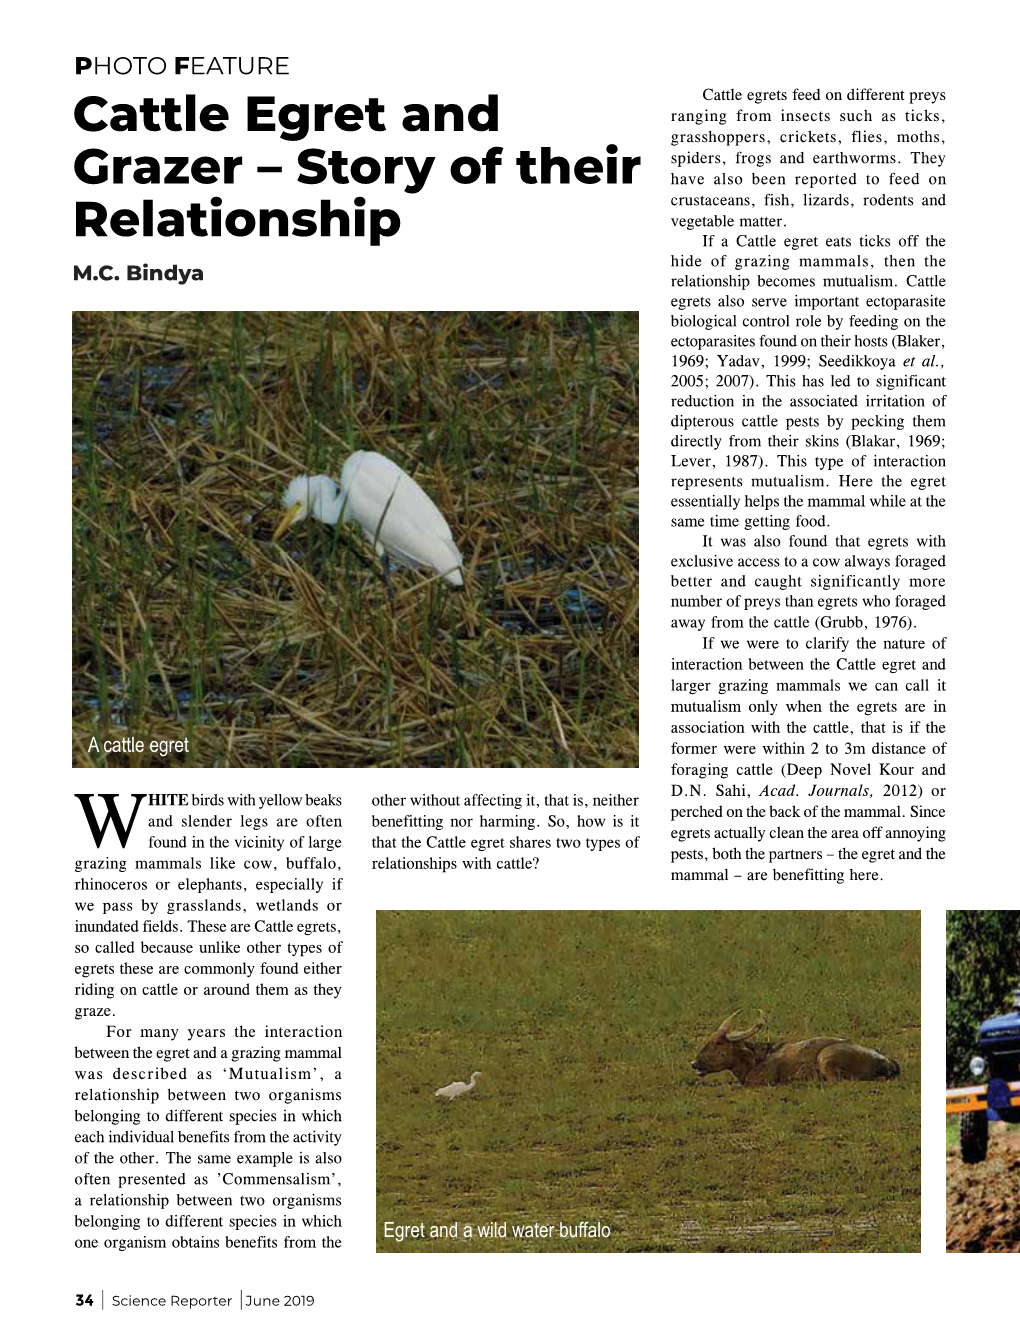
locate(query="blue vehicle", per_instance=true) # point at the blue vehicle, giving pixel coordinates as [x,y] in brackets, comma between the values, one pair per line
[996,1064]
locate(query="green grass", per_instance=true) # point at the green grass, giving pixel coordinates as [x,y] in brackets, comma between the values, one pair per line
[189,621]
[584,1025]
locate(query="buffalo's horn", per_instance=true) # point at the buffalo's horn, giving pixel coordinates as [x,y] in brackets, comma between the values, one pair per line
[735,1036]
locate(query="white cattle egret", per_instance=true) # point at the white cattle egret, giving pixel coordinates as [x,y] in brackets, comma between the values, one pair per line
[457,1088]
[394,512]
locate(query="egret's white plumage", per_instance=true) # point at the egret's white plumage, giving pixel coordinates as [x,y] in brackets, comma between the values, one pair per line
[394,512]
[457,1088]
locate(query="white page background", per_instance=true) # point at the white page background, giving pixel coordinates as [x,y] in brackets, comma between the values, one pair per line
[577,78]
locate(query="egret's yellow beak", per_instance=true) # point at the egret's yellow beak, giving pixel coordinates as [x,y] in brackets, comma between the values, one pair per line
[288,520]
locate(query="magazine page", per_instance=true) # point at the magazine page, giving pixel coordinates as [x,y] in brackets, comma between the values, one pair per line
[535,586]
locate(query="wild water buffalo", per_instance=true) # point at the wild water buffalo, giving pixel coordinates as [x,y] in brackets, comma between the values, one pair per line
[826,1059]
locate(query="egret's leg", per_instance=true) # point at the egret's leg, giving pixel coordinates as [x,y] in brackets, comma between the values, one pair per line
[387,576]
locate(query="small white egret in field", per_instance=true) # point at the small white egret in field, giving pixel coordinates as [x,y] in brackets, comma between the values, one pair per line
[394,512]
[458,1088]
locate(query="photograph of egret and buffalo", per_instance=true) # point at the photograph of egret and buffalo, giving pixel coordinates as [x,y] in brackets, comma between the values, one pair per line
[648,1081]
[983,1080]
[355,539]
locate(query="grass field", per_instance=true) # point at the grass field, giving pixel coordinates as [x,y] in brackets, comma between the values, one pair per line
[189,621]
[584,1025]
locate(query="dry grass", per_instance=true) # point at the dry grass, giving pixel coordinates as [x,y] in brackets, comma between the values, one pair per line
[189,620]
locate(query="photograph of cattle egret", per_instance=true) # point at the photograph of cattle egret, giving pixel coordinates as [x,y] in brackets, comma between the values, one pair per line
[355,539]
[983,1080]
[669,1081]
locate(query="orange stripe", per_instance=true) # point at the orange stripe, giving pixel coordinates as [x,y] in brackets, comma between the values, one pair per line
[975,1098]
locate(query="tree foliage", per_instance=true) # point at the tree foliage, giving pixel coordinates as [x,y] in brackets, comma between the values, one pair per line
[982,968]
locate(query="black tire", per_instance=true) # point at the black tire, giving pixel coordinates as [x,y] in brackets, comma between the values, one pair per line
[974,1136]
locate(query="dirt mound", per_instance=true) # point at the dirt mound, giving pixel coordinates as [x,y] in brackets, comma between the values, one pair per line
[983,1201]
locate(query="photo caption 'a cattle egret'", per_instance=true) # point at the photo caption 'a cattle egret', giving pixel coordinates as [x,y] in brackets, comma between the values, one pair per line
[394,512]
[457,1088]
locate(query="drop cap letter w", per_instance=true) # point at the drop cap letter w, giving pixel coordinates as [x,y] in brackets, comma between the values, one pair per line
[112,814]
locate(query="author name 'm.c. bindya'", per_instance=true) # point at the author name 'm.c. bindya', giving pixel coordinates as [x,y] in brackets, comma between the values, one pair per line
[168,274]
